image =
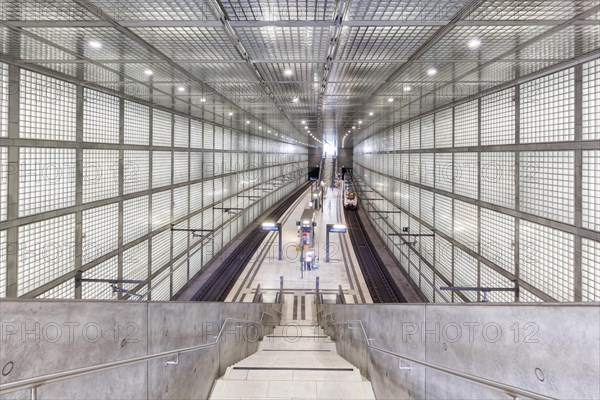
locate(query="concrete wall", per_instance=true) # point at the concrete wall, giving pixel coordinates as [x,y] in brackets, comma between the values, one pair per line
[548,349]
[40,337]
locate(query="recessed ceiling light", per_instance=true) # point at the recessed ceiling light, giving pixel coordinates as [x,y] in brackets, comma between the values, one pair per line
[353,127]
[148,72]
[303,122]
[407,88]
[230,114]
[370,114]
[474,43]
[181,89]
[287,72]
[247,122]
[95,44]
[360,122]
[203,99]
[295,99]
[391,99]
[431,71]
[260,127]
[268,131]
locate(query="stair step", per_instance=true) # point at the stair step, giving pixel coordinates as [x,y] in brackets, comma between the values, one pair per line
[288,389]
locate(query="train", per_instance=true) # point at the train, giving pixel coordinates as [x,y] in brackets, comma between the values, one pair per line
[350,198]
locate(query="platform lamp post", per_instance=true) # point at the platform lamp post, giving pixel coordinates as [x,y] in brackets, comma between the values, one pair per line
[275,227]
[332,228]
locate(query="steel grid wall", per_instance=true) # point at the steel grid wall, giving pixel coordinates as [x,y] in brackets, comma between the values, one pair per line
[509,184]
[94,182]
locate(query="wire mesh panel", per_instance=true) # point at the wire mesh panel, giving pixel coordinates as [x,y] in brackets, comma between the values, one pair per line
[161,128]
[181,131]
[136,171]
[135,218]
[161,168]
[466,124]
[180,166]
[180,202]
[492,279]
[47,109]
[498,178]
[161,209]
[443,214]
[547,184]
[591,100]
[498,238]
[498,118]
[548,108]
[137,123]
[100,232]
[466,272]
[443,129]
[161,286]
[196,134]
[47,179]
[46,251]
[591,190]
[135,264]
[4,87]
[100,174]
[590,266]
[444,171]
[546,259]
[466,174]
[65,290]
[108,269]
[3,183]
[465,224]
[100,117]
[161,250]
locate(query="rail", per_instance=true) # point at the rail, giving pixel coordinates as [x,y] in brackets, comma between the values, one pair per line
[32,384]
[502,387]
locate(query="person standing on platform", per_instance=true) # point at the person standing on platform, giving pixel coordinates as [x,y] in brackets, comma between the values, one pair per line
[308,258]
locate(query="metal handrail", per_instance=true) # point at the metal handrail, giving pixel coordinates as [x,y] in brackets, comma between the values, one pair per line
[34,383]
[506,389]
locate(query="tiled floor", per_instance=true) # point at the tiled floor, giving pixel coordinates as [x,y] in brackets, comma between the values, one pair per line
[265,269]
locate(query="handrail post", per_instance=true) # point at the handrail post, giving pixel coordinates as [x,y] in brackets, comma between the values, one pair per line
[317,293]
[281,289]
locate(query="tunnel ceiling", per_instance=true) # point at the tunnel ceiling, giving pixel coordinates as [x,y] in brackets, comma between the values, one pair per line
[273,64]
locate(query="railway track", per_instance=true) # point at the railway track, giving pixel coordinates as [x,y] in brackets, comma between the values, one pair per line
[377,278]
[218,286]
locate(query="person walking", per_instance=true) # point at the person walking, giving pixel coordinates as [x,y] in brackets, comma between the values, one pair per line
[308,260]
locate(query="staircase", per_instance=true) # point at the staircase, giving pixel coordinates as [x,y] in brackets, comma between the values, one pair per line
[297,361]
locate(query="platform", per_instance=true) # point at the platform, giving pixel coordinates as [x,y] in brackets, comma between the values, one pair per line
[265,269]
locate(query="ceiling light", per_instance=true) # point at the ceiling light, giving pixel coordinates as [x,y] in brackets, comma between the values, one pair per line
[303,122]
[203,99]
[181,89]
[370,114]
[230,114]
[148,72]
[353,127]
[474,43]
[260,127]
[431,71]
[360,122]
[391,99]
[287,72]
[247,122]
[295,99]
[95,44]
[407,88]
